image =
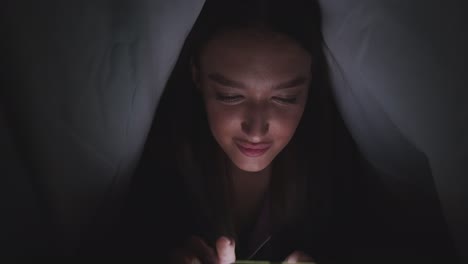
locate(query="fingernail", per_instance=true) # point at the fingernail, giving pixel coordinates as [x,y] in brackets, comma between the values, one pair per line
[226,240]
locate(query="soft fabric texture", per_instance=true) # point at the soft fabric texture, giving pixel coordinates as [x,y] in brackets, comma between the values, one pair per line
[399,81]
[84,79]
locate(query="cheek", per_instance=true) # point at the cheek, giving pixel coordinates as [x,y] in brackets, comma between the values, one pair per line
[284,125]
[222,122]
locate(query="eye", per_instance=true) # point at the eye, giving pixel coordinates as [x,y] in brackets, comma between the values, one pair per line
[286,100]
[229,98]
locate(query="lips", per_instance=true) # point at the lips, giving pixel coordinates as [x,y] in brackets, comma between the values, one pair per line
[253,149]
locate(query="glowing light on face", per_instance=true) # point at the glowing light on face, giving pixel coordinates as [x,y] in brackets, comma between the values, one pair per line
[255,87]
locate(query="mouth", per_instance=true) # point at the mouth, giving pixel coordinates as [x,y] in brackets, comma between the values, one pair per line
[253,149]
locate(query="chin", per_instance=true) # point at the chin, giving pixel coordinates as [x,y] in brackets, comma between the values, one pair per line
[252,167]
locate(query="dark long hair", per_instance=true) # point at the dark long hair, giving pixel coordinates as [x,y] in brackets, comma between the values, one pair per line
[181,140]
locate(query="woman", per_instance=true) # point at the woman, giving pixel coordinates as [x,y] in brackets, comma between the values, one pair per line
[241,142]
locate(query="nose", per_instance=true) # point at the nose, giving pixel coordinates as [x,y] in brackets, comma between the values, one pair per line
[255,124]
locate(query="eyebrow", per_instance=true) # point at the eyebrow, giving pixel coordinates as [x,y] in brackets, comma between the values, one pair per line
[224,81]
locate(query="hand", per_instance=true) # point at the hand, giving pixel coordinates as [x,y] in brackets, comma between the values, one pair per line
[196,251]
[298,256]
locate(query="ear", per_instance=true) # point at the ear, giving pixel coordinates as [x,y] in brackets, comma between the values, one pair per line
[195,74]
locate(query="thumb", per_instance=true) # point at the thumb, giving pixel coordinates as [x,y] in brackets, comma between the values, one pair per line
[226,250]
[298,256]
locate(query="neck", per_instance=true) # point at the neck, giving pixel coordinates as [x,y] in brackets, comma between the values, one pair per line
[248,189]
[249,181]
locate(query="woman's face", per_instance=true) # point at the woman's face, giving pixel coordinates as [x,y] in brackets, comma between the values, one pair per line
[255,87]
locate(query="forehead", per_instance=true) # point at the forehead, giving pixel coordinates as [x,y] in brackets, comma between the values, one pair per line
[247,54]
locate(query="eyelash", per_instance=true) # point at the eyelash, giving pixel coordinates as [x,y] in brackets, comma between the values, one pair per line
[236,98]
[290,100]
[228,98]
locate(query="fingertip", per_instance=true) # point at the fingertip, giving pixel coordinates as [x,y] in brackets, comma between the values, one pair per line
[292,258]
[226,241]
[298,256]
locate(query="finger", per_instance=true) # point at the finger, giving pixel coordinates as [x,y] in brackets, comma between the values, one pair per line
[298,256]
[201,250]
[226,249]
